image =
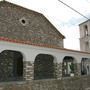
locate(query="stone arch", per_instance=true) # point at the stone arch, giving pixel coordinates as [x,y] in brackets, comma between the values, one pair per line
[11,65]
[44,67]
[85,66]
[69,66]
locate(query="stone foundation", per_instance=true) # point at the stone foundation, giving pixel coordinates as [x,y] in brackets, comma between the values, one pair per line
[28,70]
[75,83]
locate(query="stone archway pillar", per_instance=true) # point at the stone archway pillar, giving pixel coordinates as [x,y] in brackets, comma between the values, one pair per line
[78,72]
[28,70]
[58,70]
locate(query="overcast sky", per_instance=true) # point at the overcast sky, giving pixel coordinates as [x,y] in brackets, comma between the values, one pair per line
[63,18]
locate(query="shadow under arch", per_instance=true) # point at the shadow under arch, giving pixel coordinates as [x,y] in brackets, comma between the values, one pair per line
[69,66]
[44,67]
[11,65]
[85,66]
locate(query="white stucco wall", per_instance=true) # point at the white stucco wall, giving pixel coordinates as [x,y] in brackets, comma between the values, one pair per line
[30,52]
[83,37]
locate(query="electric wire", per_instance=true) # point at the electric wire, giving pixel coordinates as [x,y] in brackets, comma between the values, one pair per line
[73,9]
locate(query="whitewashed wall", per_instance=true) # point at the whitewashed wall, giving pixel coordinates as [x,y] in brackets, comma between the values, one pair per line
[30,52]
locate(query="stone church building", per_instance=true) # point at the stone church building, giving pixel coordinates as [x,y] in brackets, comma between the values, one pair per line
[31,48]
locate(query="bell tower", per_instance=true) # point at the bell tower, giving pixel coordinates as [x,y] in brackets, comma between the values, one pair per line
[85,36]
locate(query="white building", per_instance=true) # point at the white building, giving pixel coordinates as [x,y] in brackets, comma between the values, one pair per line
[32,48]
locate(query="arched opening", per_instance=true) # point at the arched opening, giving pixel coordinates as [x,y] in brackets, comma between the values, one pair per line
[11,65]
[44,67]
[85,66]
[68,66]
[86,30]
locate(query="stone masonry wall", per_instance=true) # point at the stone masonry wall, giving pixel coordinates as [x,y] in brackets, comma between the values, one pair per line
[35,28]
[28,70]
[59,70]
[79,69]
[75,83]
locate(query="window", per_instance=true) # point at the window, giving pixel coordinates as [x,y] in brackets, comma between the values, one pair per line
[87,45]
[86,30]
[23,21]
